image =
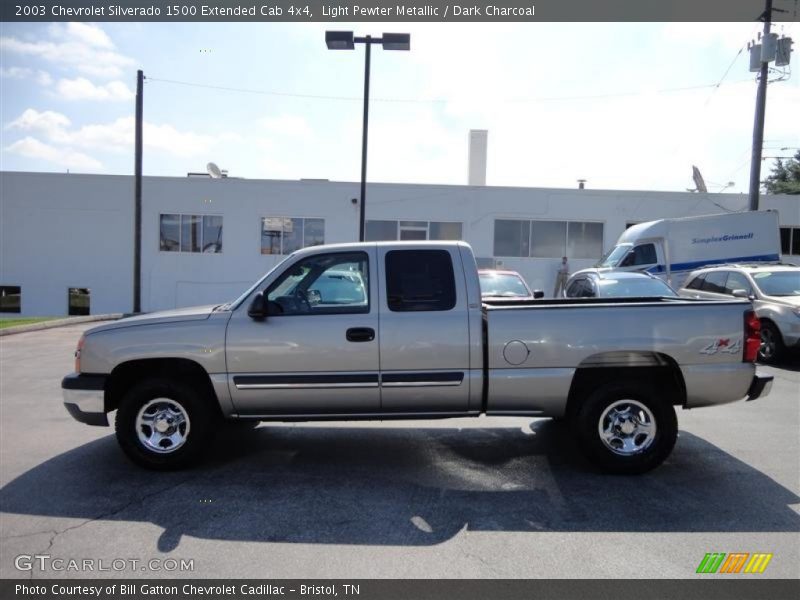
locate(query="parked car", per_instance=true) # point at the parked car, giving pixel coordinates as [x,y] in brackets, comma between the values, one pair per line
[598,283]
[774,290]
[497,283]
[419,345]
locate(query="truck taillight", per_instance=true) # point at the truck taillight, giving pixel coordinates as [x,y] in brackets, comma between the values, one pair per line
[752,336]
[78,354]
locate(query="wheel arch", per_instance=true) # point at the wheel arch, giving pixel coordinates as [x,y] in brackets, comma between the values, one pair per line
[654,369]
[129,373]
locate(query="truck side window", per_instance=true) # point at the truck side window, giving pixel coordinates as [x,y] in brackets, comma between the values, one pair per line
[322,284]
[644,254]
[420,280]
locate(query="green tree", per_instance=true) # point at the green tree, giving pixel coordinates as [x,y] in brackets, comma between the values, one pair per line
[785,176]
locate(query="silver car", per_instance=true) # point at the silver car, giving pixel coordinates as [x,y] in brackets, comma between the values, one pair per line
[602,283]
[774,290]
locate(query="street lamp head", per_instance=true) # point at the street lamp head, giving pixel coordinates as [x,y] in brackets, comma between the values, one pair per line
[339,40]
[397,41]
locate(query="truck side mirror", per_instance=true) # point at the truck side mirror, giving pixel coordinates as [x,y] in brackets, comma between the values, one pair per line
[538,294]
[258,307]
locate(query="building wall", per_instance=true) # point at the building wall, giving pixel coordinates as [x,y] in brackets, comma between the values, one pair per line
[61,231]
[65,230]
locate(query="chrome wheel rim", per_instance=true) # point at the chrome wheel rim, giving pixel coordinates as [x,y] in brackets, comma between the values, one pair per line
[767,348]
[162,425]
[627,427]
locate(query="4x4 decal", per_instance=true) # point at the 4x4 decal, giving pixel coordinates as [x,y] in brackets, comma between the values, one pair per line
[723,345]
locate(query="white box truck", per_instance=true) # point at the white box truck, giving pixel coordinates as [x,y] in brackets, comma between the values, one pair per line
[671,248]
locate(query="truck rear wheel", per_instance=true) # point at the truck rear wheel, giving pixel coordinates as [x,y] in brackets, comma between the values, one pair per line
[163,424]
[626,428]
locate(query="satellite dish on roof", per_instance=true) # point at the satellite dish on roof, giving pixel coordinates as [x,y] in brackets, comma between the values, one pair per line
[214,170]
[700,184]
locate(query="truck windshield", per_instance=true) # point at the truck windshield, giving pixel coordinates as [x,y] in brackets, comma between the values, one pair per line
[615,256]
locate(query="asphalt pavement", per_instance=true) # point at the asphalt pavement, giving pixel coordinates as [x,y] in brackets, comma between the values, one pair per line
[464,498]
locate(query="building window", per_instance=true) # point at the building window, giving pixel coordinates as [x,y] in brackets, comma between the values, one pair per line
[548,239]
[512,238]
[190,233]
[284,235]
[10,298]
[380,231]
[790,240]
[78,301]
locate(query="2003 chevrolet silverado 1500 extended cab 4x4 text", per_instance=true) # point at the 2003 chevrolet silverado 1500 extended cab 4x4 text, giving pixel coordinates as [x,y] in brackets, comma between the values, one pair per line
[398,330]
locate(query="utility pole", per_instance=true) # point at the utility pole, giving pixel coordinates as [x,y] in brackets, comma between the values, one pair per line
[364,132]
[761,106]
[137,197]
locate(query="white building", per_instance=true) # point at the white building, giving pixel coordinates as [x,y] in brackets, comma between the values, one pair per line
[206,240]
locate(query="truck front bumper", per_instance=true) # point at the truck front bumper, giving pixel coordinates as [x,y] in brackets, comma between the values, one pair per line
[761,386]
[84,398]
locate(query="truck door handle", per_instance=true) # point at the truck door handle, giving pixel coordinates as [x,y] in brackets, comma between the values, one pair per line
[360,334]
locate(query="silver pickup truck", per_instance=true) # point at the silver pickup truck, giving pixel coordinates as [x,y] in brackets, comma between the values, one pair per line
[399,331]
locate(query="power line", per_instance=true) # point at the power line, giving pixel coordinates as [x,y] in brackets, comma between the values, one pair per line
[724,75]
[433,100]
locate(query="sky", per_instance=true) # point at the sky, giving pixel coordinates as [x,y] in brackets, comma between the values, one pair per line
[624,106]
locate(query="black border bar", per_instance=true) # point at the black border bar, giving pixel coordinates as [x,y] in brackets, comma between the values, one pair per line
[345,11]
[743,587]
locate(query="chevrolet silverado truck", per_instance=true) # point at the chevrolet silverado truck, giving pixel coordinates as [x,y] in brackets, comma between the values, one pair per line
[395,330]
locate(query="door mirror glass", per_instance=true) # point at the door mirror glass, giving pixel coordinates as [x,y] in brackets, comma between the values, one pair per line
[314,297]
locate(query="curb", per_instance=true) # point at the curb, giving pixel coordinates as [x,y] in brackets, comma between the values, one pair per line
[58,323]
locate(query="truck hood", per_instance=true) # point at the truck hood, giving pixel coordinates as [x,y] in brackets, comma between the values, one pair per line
[192,313]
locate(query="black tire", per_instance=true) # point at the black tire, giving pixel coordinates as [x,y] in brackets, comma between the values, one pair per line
[652,453]
[772,348]
[201,422]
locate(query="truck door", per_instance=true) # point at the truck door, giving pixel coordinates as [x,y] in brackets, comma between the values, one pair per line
[316,352]
[424,341]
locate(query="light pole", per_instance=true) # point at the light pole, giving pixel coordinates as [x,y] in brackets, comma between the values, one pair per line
[344,40]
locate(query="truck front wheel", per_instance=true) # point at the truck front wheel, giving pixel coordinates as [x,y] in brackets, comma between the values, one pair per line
[626,428]
[163,424]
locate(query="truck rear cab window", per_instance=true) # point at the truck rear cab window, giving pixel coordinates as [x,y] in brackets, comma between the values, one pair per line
[420,280]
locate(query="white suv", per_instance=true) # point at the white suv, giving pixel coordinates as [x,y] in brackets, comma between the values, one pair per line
[774,290]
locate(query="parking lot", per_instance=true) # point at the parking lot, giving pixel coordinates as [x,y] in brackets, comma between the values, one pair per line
[481,497]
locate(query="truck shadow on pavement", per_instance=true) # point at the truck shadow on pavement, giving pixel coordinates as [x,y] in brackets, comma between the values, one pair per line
[402,486]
